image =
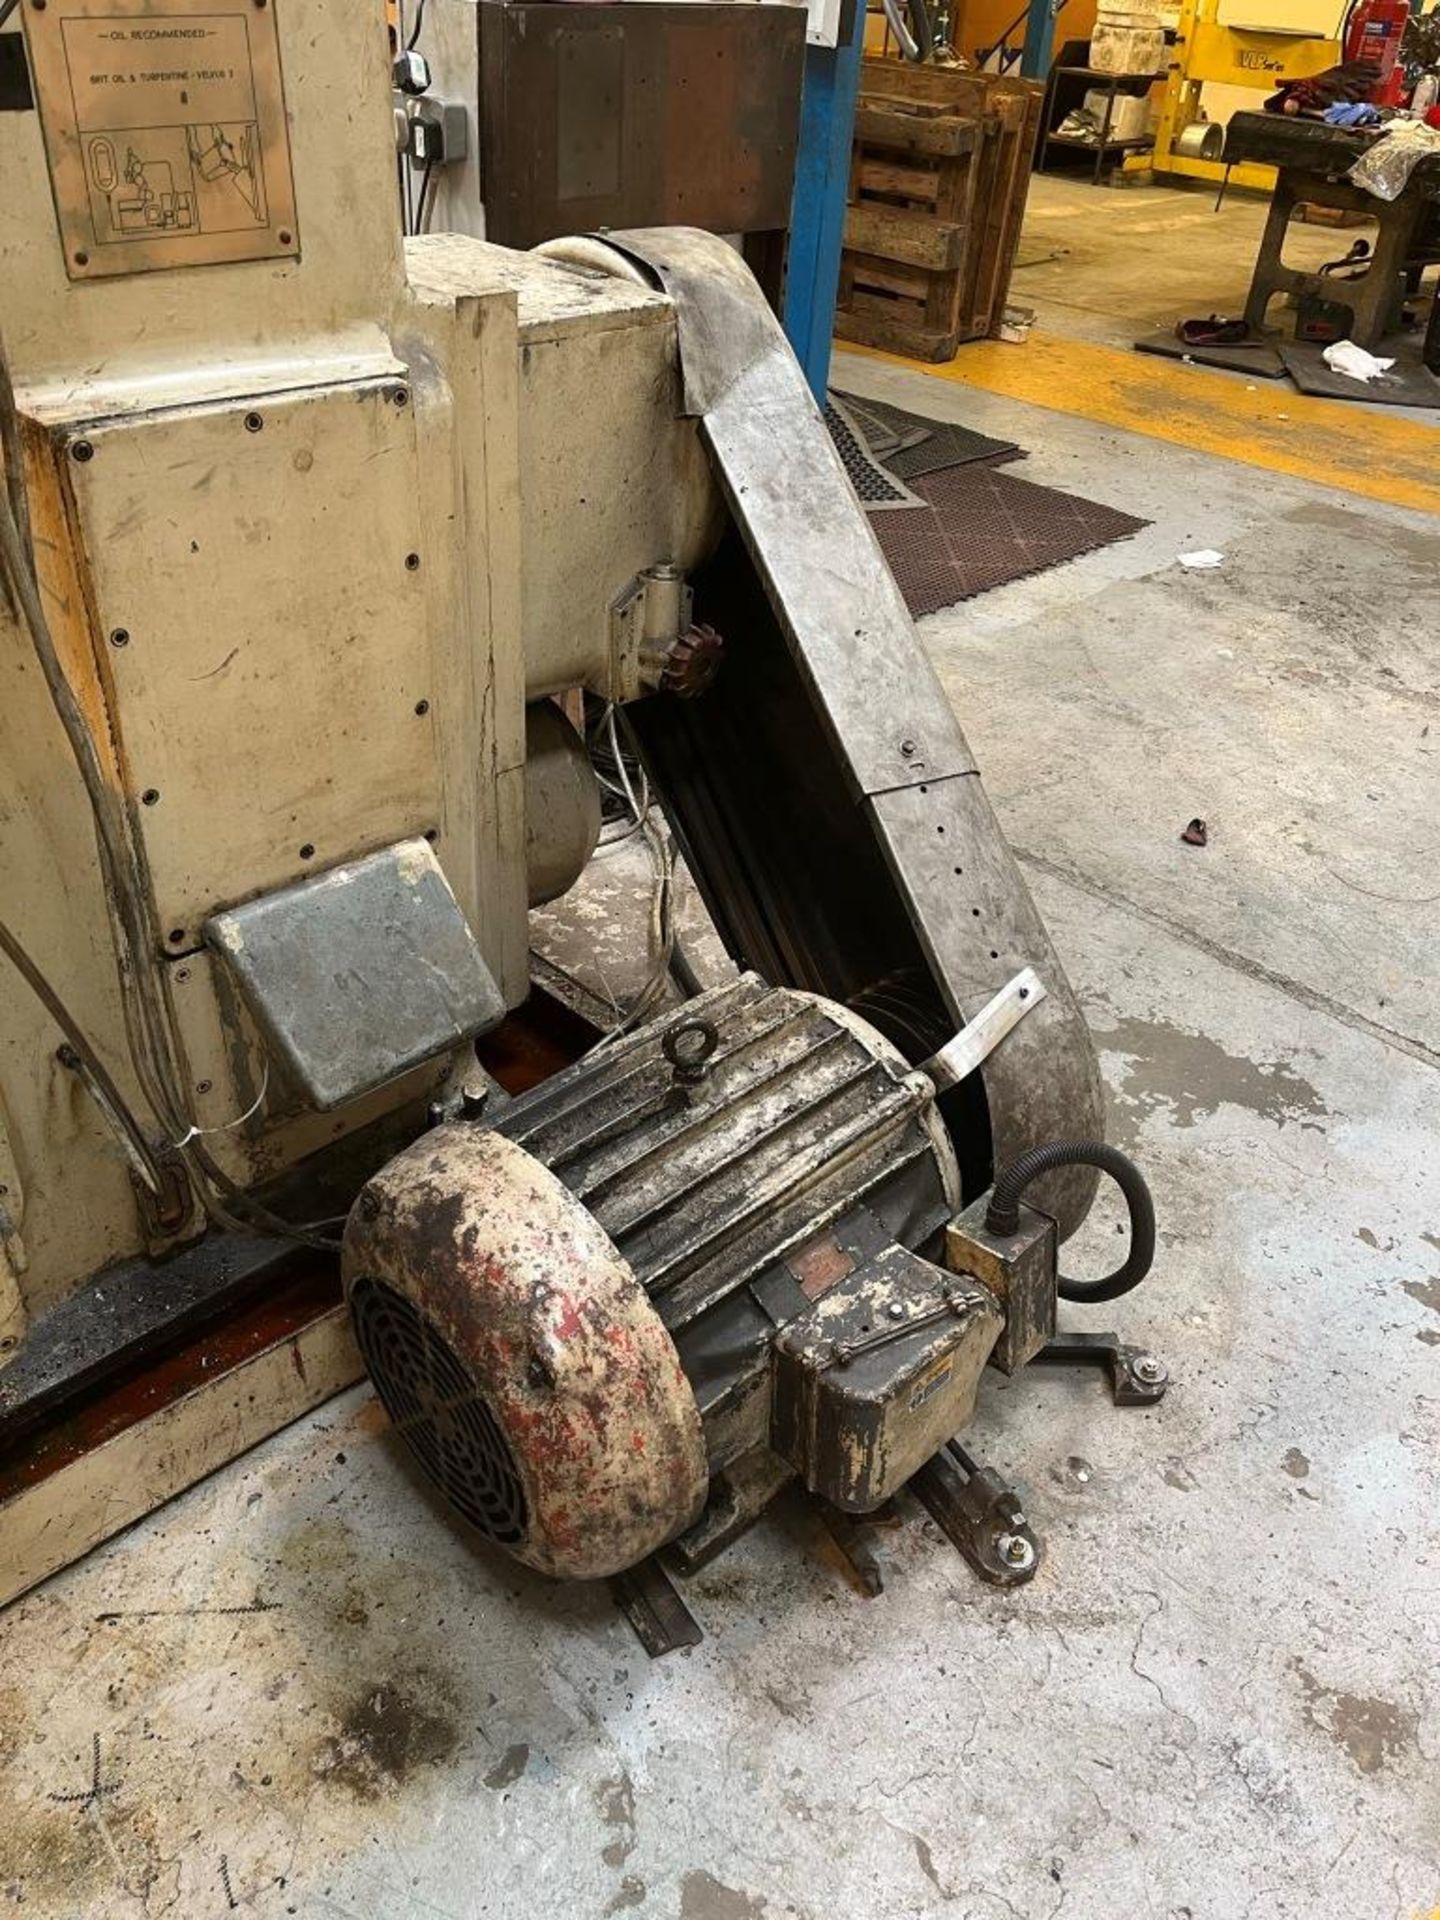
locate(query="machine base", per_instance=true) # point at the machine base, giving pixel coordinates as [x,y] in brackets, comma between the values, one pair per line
[137,1394]
[1137,1378]
[977,1511]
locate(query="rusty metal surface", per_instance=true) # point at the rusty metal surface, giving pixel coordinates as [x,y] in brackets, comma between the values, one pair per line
[201,1361]
[980,1516]
[1020,1270]
[123,1316]
[555,1336]
[632,115]
[878,1374]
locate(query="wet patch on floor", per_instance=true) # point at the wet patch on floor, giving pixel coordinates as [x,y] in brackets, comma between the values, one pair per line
[703,1897]
[1190,1077]
[615,1801]
[630,1893]
[1371,1731]
[1426,1291]
[509,1767]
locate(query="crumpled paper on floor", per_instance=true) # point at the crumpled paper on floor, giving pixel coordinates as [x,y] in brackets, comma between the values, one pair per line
[1345,357]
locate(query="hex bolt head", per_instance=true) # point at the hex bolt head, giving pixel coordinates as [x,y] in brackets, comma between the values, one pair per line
[1016,1551]
[895,1310]
[1147,1368]
[907,747]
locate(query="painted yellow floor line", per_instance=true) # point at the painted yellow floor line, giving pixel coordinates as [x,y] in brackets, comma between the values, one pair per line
[1328,442]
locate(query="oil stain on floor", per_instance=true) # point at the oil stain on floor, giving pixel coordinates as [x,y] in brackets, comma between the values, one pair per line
[1191,1076]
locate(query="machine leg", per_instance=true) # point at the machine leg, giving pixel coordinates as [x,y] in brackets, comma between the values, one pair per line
[1379,293]
[1268,278]
[1137,1378]
[650,1601]
[978,1513]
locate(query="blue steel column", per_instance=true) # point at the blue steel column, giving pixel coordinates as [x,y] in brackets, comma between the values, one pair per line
[817,212]
[1039,38]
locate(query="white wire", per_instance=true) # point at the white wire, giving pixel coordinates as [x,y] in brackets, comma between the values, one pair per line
[662,929]
[229,1126]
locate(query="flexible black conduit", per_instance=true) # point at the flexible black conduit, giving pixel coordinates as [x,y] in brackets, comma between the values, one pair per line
[1003,1215]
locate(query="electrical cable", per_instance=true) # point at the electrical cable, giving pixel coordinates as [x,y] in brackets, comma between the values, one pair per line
[429,180]
[662,922]
[923,31]
[899,26]
[682,971]
[414,40]
[7,7]
[1002,1216]
[109,1097]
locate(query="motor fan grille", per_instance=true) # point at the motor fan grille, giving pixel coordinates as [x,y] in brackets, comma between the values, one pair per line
[442,1413]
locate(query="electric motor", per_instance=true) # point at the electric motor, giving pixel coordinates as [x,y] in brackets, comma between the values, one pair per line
[705,1243]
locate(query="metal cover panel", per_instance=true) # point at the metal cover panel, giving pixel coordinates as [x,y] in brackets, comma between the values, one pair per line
[165,129]
[360,973]
[263,565]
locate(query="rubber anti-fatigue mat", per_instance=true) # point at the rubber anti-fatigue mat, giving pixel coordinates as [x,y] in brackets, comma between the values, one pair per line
[914,446]
[875,485]
[981,528]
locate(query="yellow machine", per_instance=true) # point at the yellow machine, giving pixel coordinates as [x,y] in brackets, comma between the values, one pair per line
[1230,54]
[303,527]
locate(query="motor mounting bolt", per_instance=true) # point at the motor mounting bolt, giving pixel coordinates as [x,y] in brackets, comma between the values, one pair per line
[895,1310]
[1147,1368]
[1016,1551]
[907,747]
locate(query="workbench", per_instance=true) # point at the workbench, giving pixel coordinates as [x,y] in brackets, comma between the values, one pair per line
[1312,160]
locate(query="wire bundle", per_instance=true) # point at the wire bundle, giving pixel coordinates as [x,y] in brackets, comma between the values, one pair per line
[152,1037]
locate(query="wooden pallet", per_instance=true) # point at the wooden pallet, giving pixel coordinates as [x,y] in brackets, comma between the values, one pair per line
[939,172]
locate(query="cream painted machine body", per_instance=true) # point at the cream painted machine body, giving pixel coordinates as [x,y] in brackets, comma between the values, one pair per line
[311,533]
[319,520]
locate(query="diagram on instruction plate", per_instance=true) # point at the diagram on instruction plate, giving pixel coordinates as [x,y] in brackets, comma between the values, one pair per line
[166,132]
[146,181]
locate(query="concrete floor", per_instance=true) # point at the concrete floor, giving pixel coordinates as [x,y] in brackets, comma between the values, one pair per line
[298,1691]
[1112,263]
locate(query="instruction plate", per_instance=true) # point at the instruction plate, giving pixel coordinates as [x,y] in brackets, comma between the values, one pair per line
[165,132]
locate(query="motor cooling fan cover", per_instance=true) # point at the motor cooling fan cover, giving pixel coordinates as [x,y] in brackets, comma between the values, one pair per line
[520,1358]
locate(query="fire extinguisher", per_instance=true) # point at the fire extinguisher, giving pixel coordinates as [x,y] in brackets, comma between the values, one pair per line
[1374,30]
